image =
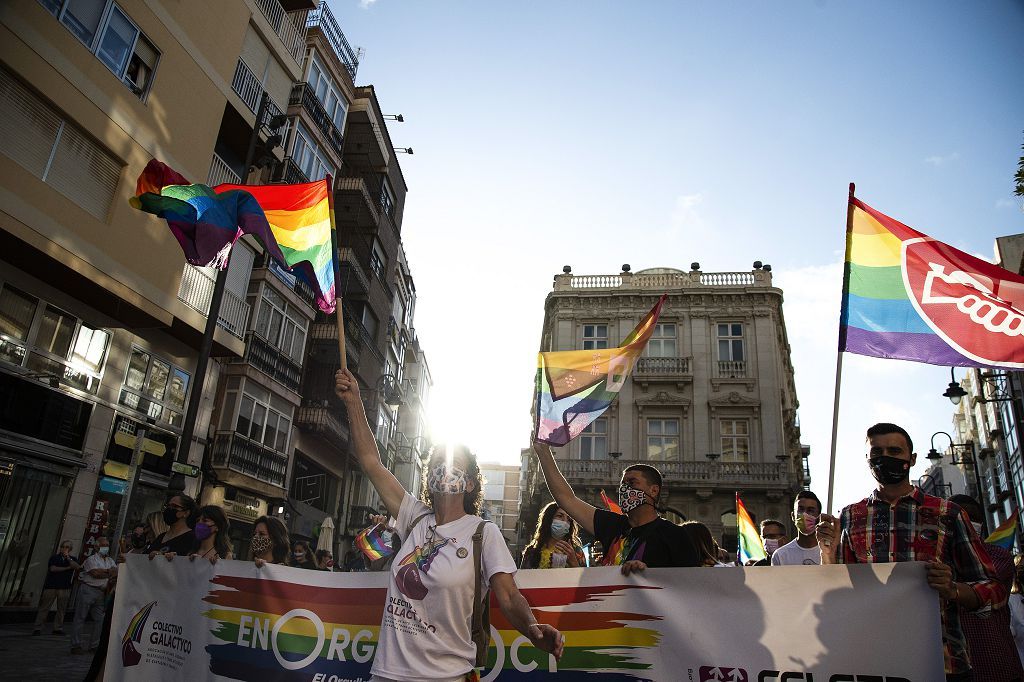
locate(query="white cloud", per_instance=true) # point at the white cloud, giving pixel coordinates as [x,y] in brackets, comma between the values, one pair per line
[685,219]
[1004,203]
[937,160]
[365,4]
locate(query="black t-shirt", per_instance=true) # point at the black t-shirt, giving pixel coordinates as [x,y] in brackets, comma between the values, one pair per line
[182,545]
[659,544]
[60,580]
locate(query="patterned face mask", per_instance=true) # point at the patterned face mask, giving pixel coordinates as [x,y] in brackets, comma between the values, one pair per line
[445,479]
[630,498]
[260,544]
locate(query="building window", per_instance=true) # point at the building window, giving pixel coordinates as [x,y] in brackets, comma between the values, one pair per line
[255,413]
[308,156]
[387,197]
[663,439]
[735,434]
[328,92]
[730,342]
[494,485]
[311,484]
[377,259]
[43,338]
[663,341]
[281,324]
[594,440]
[155,387]
[370,322]
[113,37]
[595,336]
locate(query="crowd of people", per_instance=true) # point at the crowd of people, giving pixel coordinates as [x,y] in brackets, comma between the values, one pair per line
[439,552]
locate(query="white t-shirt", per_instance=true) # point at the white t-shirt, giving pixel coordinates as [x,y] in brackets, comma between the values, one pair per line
[792,554]
[93,562]
[425,632]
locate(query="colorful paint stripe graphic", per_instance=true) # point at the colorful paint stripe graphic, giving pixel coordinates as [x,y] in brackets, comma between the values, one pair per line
[271,629]
[1006,533]
[750,539]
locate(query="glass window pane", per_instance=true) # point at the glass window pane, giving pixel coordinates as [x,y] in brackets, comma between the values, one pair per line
[82,17]
[137,366]
[244,415]
[723,330]
[723,350]
[263,320]
[158,379]
[737,350]
[90,348]
[16,312]
[737,330]
[282,435]
[654,427]
[178,389]
[259,415]
[141,66]
[117,41]
[671,427]
[298,345]
[56,330]
[270,433]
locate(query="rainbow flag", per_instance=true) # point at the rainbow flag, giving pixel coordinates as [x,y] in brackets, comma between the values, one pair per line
[1006,533]
[372,545]
[301,219]
[205,222]
[611,504]
[907,296]
[575,387]
[750,539]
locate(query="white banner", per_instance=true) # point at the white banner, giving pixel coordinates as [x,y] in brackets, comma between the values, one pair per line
[185,620]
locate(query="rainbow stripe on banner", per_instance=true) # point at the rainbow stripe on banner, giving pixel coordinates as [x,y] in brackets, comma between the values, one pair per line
[909,297]
[750,539]
[300,218]
[1006,533]
[575,387]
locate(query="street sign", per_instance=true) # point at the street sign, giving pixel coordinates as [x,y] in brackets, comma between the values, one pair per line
[189,470]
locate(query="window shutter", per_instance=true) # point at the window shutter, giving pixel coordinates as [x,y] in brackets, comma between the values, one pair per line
[239,269]
[278,85]
[255,53]
[28,126]
[84,172]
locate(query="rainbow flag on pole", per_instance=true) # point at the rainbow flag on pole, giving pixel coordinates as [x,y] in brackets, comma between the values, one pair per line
[1005,534]
[575,387]
[611,504]
[749,537]
[909,297]
[300,218]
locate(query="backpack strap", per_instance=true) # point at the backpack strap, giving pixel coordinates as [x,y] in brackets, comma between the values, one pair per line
[417,520]
[480,627]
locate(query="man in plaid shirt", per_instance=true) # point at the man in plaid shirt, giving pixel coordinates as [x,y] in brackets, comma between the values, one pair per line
[898,522]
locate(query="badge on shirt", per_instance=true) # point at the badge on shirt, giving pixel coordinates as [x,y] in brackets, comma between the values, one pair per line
[462,553]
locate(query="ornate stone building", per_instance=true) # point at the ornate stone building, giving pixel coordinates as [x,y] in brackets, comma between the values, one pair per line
[712,402]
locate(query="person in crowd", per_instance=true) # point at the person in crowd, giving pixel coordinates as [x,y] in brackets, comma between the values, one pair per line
[636,539]
[707,548]
[212,532]
[803,551]
[773,536]
[990,642]
[60,570]
[324,560]
[353,561]
[1016,604]
[136,540]
[920,527]
[302,556]
[269,543]
[451,557]
[97,572]
[154,526]
[556,541]
[179,539]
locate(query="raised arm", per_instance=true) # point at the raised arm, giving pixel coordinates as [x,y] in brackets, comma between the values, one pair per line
[364,446]
[560,489]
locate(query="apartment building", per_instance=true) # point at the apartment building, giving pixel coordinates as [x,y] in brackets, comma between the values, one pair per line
[712,403]
[501,502]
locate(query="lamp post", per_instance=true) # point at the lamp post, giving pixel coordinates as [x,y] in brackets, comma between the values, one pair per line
[935,456]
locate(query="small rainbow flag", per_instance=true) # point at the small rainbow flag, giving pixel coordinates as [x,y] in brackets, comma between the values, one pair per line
[907,296]
[1006,533]
[575,387]
[301,219]
[612,505]
[750,539]
[372,545]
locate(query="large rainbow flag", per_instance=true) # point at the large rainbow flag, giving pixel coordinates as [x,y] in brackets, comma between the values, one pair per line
[909,297]
[1006,533]
[575,387]
[206,222]
[301,219]
[749,537]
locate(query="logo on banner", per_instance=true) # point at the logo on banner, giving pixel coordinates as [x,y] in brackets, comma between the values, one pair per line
[720,674]
[979,316]
[133,635]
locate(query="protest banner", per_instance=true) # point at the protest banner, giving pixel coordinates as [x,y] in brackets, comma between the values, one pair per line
[196,621]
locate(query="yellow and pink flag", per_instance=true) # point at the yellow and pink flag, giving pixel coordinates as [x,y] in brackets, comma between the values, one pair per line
[575,387]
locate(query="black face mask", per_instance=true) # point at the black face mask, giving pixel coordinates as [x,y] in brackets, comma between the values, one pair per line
[170,516]
[138,541]
[889,470]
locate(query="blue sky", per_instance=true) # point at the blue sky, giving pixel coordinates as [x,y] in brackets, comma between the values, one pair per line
[657,134]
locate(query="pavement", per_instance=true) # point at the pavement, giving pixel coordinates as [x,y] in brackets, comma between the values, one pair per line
[41,657]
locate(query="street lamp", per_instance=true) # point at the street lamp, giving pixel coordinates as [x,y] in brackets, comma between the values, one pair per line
[954,391]
[935,456]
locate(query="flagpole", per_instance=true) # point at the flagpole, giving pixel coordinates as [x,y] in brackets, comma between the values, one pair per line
[337,275]
[739,533]
[839,353]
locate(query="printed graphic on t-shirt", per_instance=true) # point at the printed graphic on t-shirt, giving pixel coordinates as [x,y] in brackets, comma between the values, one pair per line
[408,577]
[624,549]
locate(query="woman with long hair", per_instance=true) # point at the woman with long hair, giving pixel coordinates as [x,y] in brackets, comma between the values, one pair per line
[211,529]
[705,544]
[449,559]
[556,541]
[302,556]
[269,543]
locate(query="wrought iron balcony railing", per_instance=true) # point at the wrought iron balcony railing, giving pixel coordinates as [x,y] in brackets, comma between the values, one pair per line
[272,361]
[322,419]
[322,19]
[236,452]
[303,94]
[289,172]
[288,26]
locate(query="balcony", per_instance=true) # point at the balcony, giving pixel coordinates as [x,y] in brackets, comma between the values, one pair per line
[359,335]
[196,291]
[328,331]
[353,277]
[354,202]
[221,173]
[731,369]
[607,472]
[238,453]
[649,370]
[289,172]
[289,27]
[664,281]
[324,21]
[271,361]
[303,94]
[248,87]
[324,421]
